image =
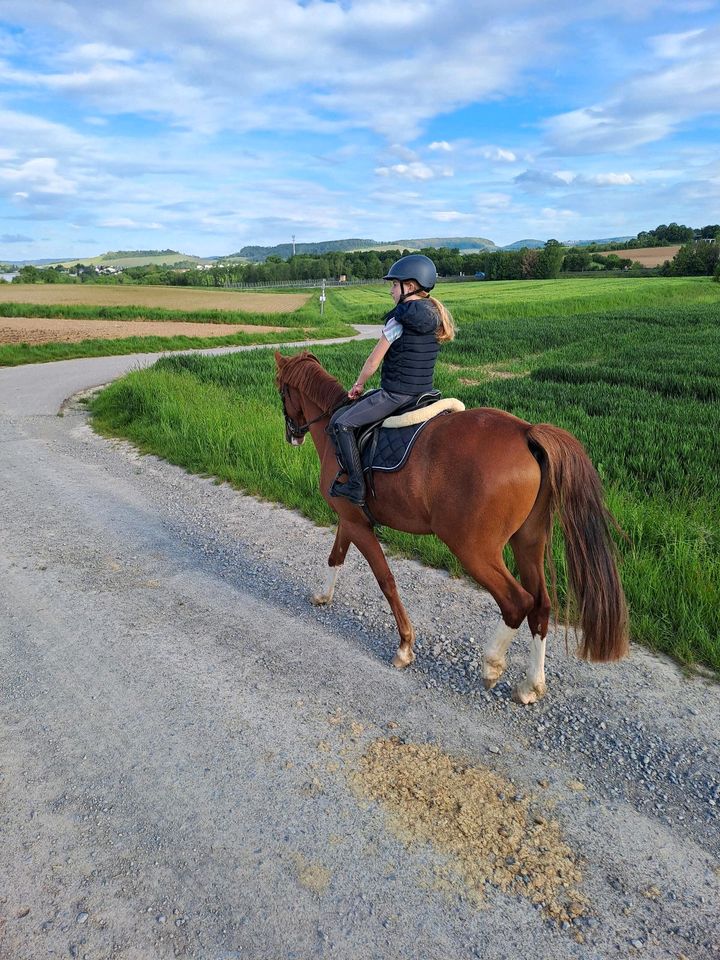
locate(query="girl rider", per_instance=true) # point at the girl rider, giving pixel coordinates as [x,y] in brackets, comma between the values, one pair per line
[407,349]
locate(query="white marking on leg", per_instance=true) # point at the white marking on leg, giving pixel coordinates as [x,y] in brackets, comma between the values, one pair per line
[536,663]
[494,653]
[325,596]
[532,688]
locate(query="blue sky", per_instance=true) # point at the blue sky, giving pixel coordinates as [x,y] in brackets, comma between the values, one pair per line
[204,127]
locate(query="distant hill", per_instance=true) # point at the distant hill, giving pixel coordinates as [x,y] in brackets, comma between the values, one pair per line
[352,245]
[257,253]
[285,250]
[32,263]
[586,243]
[463,243]
[134,258]
[522,244]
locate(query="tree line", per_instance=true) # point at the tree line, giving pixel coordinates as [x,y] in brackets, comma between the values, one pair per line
[699,255]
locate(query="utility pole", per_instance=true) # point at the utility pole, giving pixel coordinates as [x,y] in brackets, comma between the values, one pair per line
[322,299]
[293,236]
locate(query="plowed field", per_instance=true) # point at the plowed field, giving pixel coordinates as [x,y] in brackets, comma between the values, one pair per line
[169,298]
[35,330]
[650,256]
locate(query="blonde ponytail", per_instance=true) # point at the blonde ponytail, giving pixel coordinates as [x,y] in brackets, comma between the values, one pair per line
[446,325]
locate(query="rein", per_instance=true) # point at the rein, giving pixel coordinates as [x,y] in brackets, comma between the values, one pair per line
[296,431]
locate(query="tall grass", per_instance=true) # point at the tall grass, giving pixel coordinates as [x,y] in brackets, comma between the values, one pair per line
[639,387]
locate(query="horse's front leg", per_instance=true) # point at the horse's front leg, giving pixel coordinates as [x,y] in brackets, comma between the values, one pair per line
[335,561]
[367,543]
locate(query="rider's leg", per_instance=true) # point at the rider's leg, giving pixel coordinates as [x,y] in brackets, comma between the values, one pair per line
[354,488]
[371,408]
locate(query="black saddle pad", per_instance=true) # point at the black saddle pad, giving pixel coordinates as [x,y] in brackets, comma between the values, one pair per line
[388,450]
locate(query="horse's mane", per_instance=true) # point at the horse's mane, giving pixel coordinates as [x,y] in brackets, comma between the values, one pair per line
[305,372]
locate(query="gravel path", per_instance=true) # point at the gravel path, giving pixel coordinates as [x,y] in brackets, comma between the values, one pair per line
[179,722]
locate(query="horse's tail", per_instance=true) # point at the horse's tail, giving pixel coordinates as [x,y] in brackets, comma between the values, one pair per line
[576,496]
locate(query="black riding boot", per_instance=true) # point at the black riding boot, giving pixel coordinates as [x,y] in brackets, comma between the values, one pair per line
[354,488]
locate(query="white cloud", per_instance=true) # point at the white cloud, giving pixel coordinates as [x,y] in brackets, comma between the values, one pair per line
[97,51]
[440,145]
[128,223]
[551,213]
[451,216]
[410,171]
[498,154]
[673,45]
[192,74]
[650,105]
[39,175]
[611,179]
[493,201]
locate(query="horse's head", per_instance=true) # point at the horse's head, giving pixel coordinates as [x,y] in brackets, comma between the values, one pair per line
[295,420]
[305,388]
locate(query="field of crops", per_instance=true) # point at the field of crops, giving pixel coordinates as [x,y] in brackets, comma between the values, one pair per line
[633,372]
[187,299]
[44,322]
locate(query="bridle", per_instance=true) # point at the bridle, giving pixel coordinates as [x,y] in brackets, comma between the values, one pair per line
[294,430]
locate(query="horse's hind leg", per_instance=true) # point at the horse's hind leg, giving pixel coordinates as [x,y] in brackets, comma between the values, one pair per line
[367,543]
[529,549]
[514,602]
[494,653]
[335,561]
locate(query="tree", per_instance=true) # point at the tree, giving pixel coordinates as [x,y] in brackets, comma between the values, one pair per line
[577,259]
[696,259]
[549,261]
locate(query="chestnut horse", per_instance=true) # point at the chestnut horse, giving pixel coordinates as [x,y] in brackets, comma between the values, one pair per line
[478,479]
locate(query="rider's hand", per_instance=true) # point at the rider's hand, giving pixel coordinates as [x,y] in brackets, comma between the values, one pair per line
[355,390]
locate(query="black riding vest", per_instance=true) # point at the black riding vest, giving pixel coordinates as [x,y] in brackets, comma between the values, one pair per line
[409,363]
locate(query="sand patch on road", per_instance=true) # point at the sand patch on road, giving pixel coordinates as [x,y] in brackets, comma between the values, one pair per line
[490,834]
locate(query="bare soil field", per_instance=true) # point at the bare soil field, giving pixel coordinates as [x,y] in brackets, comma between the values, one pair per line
[168,298]
[36,330]
[650,256]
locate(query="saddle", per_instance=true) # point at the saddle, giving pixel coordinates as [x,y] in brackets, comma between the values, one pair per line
[386,445]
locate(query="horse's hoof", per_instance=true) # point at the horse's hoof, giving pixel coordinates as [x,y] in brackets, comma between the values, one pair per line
[492,671]
[402,660]
[320,600]
[525,694]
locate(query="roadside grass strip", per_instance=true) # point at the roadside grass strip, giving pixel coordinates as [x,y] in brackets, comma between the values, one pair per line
[640,388]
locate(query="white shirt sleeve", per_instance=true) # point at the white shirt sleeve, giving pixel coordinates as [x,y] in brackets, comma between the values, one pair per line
[392,330]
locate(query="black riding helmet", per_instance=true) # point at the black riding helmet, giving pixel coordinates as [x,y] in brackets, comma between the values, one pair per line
[415,267]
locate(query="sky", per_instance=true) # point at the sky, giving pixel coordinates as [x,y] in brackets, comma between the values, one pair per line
[203,127]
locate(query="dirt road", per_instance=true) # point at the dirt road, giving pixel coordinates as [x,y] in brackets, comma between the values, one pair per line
[182,733]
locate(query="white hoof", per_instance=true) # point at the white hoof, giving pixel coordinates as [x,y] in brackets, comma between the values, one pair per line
[403,658]
[526,692]
[492,670]
[321,599]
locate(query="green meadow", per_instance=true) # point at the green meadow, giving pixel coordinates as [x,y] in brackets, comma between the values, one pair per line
[631,367]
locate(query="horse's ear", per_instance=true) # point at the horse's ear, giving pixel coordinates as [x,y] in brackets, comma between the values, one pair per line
[279,360]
